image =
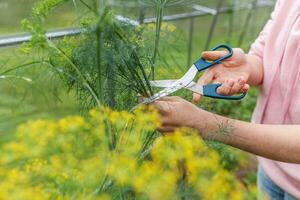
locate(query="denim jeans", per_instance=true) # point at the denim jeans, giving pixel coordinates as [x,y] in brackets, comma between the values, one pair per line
[268,189]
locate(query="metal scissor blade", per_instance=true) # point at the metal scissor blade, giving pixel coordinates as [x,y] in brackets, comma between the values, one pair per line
[162,83]
[165,92]
[193,86]
[177,85]
[185,80]
[188,76]
[196,88]
[166,83]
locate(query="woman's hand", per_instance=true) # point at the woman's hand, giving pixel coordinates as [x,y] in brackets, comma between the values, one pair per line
[176,112]
[233,73]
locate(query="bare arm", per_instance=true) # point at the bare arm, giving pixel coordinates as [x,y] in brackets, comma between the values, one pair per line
[276,142]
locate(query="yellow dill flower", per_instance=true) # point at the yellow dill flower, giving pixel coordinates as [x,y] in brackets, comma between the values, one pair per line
[171,28]
[56,162]
[121,169]
[35,165]
[71,123]
[80,158]
[94,114]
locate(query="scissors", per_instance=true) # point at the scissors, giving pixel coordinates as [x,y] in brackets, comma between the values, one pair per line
[210,90]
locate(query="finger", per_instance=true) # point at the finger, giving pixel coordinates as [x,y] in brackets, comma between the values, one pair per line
[170,99]
[196,98]
[226,87]
[238,85]
[213,55]
[206,78]
[218,81]
[245,88]
[163,107]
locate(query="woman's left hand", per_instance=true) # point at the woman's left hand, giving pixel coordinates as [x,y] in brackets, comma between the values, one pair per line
[176,112]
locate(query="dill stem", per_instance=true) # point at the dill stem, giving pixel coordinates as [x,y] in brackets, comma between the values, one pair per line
[98,61]
[23,65]
[159,16]
[231,22]
[247,22]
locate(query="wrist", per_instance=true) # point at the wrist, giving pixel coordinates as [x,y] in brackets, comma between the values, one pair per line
[248,68]
[203,123]
[254,68]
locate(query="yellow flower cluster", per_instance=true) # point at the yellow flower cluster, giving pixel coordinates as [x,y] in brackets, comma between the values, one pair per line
[111,155]
[168,27]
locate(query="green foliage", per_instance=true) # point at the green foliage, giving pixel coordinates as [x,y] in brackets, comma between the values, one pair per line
[105,61]
[35,24]
[119,64]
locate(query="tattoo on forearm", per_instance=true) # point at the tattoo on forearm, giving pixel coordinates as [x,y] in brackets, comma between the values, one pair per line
[224,131]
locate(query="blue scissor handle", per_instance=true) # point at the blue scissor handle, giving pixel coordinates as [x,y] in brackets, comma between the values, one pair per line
[210,90]
[202,64]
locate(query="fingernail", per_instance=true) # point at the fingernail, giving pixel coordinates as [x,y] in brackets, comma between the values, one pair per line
[219,90]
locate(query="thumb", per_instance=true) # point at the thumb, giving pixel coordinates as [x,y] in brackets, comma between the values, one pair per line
[213,55]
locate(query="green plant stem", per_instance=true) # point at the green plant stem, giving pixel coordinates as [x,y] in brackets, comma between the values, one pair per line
[23,65]
[98,60]
[190,42]
[159,19]
[213,24]
[247,22]
[143,73]
[231,22]
[89,7]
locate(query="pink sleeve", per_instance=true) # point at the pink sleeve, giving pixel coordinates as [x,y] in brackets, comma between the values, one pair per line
[257,48]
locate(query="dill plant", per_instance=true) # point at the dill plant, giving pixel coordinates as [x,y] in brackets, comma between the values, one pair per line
[111,62]
[105,65]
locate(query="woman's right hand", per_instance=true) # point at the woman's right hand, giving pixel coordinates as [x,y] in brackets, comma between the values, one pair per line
[232,73]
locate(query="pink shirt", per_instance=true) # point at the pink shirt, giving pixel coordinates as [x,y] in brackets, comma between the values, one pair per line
[278,46]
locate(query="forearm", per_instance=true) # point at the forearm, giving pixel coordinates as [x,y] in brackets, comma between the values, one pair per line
[255,68]
[276,142]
